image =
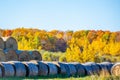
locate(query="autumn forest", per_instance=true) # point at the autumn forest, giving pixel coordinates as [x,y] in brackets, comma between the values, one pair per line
[81,46]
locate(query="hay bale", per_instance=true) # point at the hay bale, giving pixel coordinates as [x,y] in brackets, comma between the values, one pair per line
[108,65]
[52,68]
[10,43]
[105,68]
[88,69]
[20,69]
[91,68]
[72,69]
[60,67]
[1,43]
[11,55]
[35,55]
[63,68]
[34,62]
[2,56]
[95,68]
[24,56]
[115,70]
[79,68]
[7,69]
[67,70]
[42,69]
[32,69]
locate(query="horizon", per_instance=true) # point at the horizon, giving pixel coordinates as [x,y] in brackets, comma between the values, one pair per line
[59,30]
[61,15]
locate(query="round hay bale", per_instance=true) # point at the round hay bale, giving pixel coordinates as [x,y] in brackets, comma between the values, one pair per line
[1,43]
[60,67]
[63,68]
[20,69]
[34,62]
[10,43]
[72,69]
[42,69]
[105,68]
[35,55]
[88,69]
[91,68]
[95,68]
[67,70]
[108,65]
[24,56]
[79,68]
[7,69]
[2,56]
[11,55]
[31,68]
[115,70]
[52,68]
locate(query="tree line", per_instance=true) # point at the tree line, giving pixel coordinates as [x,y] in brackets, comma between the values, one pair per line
[82,45]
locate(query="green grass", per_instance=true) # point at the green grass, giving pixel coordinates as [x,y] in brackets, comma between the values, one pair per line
[62,78]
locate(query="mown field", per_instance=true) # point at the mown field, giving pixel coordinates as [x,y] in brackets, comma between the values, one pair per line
[63,78]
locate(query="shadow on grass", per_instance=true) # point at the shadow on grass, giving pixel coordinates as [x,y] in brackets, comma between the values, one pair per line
[63,77]
[41,77]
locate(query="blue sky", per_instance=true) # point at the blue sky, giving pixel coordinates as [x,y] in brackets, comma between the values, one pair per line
[60,14]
